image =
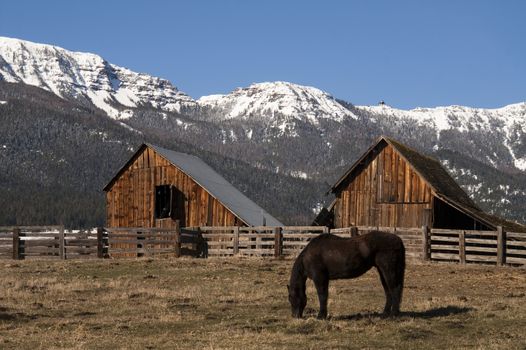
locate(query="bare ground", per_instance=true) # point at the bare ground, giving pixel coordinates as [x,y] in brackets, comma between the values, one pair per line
[242,304]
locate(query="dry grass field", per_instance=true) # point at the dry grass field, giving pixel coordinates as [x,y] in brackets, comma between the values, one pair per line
[237,303]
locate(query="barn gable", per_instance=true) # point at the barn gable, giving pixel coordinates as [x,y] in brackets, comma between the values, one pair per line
[394,185]
[205,195]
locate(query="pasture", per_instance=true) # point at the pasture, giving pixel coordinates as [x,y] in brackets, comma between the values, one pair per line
[241,303]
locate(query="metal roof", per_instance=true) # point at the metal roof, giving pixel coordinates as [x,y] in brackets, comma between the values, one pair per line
[239,204]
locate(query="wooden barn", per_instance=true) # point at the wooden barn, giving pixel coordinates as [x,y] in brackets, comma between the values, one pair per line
[158,186]
[392,185]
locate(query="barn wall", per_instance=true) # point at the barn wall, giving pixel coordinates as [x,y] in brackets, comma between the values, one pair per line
[130,202]
[385,192]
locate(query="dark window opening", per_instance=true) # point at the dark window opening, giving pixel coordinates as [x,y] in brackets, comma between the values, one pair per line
[164,201]
[448,217]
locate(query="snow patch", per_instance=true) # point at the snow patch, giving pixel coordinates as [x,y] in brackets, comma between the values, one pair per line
[520,163]
[317,208]
[299,174]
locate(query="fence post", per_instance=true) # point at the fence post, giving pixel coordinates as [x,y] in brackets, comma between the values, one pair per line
[177,239]
[100,242]
[354,231]
[501,246]
[462,246]
[61,243]
[278,241]
[17,246]
[426,243]
[236,240]
[326,229]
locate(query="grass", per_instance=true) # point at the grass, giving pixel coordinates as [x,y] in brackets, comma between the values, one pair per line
[240,303]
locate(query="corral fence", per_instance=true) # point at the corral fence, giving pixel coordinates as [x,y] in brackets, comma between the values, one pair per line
[147,242]
[491,247]
[54,242]
[51,242]
[258,241]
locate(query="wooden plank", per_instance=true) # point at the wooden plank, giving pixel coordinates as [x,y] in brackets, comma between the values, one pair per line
[516,260]
[462,247]
[89,241]
[443,239]
[481,241]
[436,247]
[306,236]
[444,256]
[177,239]
[426,243]
[41,243]
[510,243]
[303,228]
[79,250]
[471,249]
[42,250]
[30,228]
[481,258]
[61,243]
[501,246]
[17,246]
[516,235]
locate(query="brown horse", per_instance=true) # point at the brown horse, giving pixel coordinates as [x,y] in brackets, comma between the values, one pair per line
[329,257]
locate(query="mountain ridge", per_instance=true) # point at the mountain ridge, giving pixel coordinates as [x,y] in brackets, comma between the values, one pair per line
[283,128]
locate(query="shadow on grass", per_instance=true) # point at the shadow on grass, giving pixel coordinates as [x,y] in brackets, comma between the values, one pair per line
[432,313]
[16,316]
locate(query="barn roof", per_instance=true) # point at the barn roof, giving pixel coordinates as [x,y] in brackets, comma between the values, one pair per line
[239,204]
[443,185]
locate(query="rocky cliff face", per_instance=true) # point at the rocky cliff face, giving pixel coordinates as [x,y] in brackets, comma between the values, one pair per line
[86,78]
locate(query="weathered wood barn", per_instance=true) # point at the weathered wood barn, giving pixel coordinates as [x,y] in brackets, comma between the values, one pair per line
[157,186]
[392,185]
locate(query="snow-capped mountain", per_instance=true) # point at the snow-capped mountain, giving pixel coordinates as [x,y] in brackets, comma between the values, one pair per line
[86,77]
[270,99]
[507,124]
[280,128]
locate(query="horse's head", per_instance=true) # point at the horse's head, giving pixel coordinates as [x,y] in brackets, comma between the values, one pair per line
[297,299]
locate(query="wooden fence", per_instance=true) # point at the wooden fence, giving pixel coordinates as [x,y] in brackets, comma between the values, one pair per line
[147,242]
[290,240]
[53,242]
[493,247]
[50,242]
[258,241]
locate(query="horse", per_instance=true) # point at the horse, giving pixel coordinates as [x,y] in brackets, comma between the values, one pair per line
[329,257]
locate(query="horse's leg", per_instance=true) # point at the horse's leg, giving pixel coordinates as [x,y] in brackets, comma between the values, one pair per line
[397,298]
[392,271]
[398,285]
[321,282]
[388,294]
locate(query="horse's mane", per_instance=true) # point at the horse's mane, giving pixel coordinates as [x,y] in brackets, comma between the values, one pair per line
[298,271]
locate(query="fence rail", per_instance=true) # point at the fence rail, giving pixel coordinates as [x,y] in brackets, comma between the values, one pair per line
[54,242]
[50,242]
[493,247]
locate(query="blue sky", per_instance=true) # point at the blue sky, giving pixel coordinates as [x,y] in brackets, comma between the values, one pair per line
[408,53]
